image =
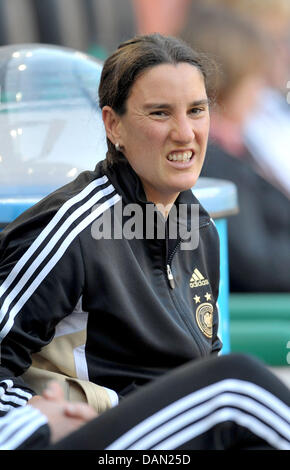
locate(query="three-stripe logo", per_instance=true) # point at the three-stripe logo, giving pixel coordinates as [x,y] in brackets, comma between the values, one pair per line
[197,279]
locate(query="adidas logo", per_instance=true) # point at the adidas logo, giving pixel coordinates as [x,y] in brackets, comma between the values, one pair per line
[197,279]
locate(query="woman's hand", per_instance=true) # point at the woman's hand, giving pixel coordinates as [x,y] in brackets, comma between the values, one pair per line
[63,417]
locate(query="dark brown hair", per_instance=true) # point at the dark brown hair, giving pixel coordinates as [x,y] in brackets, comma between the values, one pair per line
[132,58]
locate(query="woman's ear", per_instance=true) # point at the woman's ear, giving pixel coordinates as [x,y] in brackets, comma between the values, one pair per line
[112,124]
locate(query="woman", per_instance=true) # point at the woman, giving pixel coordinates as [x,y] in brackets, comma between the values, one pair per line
[119,311]
[142,309]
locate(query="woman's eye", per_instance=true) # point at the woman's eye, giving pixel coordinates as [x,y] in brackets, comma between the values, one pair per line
[158,113]
[196,110]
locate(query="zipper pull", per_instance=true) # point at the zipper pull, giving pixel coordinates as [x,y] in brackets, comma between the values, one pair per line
[170,277]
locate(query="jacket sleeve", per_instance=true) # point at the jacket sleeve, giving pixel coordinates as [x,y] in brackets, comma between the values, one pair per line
[41,279]
[24,428]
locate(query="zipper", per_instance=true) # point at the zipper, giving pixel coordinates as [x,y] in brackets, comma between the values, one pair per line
[169,259]
[170,277]
[172,285]
[169,271]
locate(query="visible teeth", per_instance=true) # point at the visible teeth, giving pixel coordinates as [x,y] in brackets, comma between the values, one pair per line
[181,157]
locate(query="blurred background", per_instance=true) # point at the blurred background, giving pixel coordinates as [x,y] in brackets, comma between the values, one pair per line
[249,141]
[96,26]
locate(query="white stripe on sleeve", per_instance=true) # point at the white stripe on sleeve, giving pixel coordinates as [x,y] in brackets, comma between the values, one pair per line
[46,231]
[52,261]
[18,425]
[11,394]
[49,247]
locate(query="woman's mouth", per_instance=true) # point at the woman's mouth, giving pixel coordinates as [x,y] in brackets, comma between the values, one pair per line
[180,156]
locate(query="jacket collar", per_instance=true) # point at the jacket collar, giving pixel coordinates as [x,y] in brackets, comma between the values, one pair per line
[125,180]
[129,186]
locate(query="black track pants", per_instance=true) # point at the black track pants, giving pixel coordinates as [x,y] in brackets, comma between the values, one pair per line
[225,402]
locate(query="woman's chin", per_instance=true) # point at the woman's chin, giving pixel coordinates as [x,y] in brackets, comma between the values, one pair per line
[186,183]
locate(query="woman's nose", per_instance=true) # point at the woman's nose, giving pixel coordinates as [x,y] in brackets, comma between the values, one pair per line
[182,130]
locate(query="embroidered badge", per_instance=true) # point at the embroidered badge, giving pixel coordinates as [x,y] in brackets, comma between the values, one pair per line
[204,318]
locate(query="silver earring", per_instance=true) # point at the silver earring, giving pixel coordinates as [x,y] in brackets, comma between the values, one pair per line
[117,146]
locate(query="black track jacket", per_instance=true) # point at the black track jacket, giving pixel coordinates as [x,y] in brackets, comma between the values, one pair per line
[139,322]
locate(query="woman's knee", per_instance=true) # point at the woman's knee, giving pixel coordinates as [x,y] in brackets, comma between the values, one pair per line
[239,364]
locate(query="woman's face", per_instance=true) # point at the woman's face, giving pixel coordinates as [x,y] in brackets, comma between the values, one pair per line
[165,129]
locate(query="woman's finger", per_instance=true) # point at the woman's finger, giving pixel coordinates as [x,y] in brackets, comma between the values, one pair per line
[80,411]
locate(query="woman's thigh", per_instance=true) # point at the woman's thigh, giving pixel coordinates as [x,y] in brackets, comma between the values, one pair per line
[230,401]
